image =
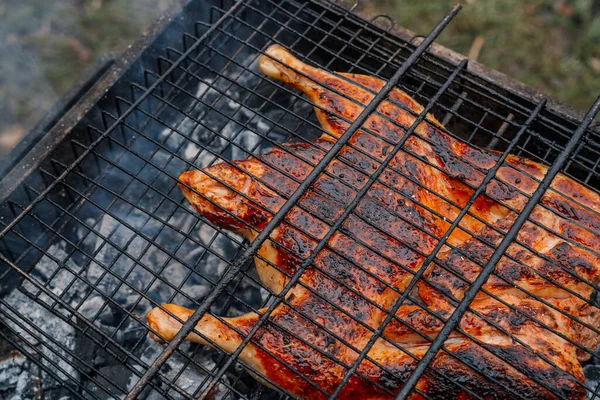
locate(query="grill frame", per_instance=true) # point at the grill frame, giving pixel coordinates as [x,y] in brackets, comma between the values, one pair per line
[68,169]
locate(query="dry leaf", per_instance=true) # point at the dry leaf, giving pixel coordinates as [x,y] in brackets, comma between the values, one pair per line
[83,53]
[595,64]
[11,136]
[476,47]
[564,9]
[96,4]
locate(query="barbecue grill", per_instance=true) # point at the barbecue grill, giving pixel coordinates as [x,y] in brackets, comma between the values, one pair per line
[95,232]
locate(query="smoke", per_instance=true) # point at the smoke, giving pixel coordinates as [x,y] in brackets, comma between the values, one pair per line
[25,93]
[45,47]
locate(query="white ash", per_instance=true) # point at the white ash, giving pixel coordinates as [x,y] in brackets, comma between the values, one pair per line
[26,373]
[592,374]
[116,279]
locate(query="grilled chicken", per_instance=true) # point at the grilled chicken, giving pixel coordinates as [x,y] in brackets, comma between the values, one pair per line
[517,338]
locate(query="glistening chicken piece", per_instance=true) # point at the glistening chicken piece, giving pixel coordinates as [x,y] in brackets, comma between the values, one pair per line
[326,320]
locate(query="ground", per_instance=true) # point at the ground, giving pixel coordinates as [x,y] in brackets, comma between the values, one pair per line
[553,45]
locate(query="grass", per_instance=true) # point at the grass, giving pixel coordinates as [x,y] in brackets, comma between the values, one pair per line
[92,29]
[549,44]
[553,45]
[47,45]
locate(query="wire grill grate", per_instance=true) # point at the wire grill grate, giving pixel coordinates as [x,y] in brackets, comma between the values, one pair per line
[100,233]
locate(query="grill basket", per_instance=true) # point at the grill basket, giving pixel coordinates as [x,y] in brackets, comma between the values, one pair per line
[97,232]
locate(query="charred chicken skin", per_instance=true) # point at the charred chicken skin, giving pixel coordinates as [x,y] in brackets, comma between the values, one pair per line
[516,340]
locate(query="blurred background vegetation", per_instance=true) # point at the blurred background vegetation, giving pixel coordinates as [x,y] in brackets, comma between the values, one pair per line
[553,45]
[46,45]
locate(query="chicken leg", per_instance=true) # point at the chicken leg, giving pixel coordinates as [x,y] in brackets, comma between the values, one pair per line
[312,338]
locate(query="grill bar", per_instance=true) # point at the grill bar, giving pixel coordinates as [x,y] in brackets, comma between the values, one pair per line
[469,296]
[596,393]
[492,227]
[495,228]
[317,294]
[117,123]
[321,34]
[440,243]
[290,202]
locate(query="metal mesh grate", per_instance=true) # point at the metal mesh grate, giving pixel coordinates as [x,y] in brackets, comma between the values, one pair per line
[100,233]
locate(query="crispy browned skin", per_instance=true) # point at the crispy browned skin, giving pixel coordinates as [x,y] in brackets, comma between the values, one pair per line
[358,284]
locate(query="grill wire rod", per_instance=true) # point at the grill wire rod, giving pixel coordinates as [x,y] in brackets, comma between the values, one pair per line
[116,238]
[250,252]
[483,276]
